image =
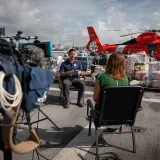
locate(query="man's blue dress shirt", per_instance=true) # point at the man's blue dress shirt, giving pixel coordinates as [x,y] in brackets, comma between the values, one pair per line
[68,66]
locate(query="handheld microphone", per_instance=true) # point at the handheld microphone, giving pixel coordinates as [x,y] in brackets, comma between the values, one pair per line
[89,103]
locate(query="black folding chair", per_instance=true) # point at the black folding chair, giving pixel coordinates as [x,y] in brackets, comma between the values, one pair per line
[71,88]
[117,106]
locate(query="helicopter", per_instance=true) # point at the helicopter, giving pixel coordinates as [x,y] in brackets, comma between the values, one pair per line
[148,41]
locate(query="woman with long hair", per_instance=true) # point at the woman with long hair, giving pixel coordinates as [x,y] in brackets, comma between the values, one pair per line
[115,74]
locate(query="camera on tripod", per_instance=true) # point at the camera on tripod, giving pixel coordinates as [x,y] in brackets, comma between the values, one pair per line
[21,86]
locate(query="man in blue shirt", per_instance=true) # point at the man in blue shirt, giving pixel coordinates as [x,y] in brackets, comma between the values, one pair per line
[70,72]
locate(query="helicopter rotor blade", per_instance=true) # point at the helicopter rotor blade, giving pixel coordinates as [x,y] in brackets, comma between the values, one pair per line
[140,29]
[130,34]
[153,30]
[117,29]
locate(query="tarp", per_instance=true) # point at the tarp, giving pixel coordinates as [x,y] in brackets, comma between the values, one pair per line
[38,81]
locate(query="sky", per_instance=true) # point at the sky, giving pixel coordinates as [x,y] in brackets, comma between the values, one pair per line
[66,21]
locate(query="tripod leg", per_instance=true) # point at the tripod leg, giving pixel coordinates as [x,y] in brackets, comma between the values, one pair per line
[38,122]
[33,155]
[49,119]
[37,154]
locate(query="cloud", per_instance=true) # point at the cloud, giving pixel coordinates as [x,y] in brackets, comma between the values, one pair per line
[156,16]
[127,15]
[66,22]
[22,15]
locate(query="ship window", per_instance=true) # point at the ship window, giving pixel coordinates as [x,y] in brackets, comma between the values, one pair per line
[152,46]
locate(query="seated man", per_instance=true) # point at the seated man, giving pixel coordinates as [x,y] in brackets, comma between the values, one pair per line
[70,72]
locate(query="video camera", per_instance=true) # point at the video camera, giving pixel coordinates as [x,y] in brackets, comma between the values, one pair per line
[34,54]
[20,86]
[15,61]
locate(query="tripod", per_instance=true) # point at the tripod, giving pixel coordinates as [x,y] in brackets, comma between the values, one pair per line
[39,120]
[46,117]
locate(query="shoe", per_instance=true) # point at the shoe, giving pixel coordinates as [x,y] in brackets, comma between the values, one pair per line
[80,104]
[67,104]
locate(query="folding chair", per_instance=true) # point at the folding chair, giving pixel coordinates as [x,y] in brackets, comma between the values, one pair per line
[117,106]
[71,88]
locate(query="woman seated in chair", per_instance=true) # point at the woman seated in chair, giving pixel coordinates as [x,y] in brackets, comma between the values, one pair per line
[115,75]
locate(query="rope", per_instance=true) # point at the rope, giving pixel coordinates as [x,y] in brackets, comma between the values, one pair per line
[7,100]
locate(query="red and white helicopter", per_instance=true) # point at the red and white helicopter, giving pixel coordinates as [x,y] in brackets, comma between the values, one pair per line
[147,41]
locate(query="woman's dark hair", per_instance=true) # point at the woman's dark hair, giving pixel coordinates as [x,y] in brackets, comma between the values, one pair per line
[116,66]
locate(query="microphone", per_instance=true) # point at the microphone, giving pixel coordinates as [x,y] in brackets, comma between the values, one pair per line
[89,103]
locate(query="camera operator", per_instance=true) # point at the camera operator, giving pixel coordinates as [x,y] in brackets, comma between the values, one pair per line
[70,72]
